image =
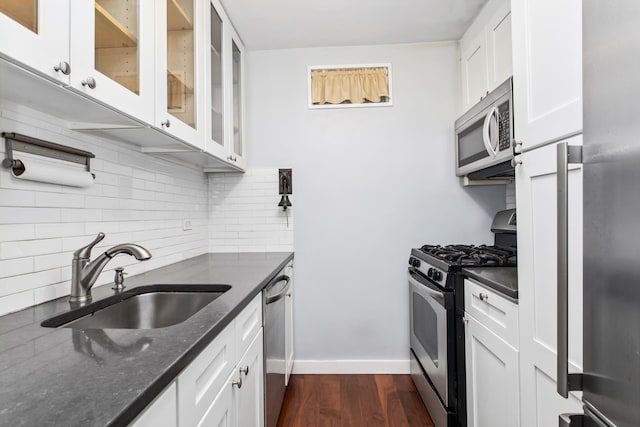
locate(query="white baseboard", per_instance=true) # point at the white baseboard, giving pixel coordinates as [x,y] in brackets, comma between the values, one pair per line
[351,366]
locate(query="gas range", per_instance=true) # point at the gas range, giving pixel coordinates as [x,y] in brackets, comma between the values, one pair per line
[436,262]
[437,334]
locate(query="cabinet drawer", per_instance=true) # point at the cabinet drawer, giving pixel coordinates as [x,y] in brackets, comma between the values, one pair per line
[203,379]
[492,310]
[248,323]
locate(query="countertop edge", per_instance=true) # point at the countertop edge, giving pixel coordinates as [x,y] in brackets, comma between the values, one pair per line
[508,294]
[137,406]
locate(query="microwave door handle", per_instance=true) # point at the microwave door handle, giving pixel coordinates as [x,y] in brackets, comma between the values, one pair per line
[486,138]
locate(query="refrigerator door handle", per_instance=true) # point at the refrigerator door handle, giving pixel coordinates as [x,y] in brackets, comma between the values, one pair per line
[571,420]
[566,382]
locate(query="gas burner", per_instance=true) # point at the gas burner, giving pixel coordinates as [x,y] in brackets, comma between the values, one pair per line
[472,255]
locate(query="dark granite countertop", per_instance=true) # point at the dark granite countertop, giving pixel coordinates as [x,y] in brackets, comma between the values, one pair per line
[97,377]
[500,279]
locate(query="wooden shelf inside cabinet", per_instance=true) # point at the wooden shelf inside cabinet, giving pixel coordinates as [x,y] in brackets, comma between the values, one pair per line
[177,18]
[24,12]
[180,79]
[110,32]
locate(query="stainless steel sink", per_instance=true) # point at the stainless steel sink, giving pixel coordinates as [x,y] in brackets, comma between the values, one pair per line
[145,307]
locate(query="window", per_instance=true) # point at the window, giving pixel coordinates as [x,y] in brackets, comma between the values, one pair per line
[340,86]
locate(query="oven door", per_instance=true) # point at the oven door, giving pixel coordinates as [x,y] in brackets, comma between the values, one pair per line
[429,331]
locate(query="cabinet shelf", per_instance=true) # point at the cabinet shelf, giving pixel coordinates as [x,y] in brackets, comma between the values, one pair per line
[110,33]
[177,18]
[181,80]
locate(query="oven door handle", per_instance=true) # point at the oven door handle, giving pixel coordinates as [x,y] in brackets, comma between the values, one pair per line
[486,138]
[426,287]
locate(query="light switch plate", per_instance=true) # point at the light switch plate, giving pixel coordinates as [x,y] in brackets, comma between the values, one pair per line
[186,225]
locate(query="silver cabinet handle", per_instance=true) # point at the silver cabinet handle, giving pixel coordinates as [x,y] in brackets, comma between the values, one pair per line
[166,123]
[245,370]
[63,67]
[483,297]
[90,82]
[237,383]
[566,382]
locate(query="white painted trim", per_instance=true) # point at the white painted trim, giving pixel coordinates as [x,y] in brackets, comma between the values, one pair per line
[351,367]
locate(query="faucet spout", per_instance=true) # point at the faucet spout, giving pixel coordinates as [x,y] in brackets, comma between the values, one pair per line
[84,272]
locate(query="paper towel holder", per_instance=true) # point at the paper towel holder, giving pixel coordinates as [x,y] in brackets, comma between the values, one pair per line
[27,144]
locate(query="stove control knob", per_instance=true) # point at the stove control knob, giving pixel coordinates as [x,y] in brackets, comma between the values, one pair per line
[430,272]
[416,262]
[411,260]
[436,275]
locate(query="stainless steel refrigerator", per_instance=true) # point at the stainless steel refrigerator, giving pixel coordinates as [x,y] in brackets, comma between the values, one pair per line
[611,172]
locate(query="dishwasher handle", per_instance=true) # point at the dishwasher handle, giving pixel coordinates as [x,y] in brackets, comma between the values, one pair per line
[273,298]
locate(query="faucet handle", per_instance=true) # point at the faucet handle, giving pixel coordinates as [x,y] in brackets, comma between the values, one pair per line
[85,251]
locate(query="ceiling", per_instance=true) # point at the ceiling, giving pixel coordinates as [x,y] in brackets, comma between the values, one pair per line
[282,24]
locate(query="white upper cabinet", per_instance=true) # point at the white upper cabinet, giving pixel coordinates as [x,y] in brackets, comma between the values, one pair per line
[235,88]
[485,52]
[214,141]
[35,33]
[180,69]
[112,54]
[547,70]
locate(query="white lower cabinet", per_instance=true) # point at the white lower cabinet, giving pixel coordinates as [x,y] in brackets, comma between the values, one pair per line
[492,378]
[492,358]
[223,386]
[249,398]
[288,323]
[240,403]
[163,411]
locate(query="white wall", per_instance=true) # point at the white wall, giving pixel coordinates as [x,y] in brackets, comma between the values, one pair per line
[136,198]
[368,185]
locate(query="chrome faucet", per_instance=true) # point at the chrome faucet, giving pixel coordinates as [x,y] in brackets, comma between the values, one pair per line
[85,272]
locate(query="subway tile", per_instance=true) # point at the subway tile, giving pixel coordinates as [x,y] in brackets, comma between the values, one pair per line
[16,302]
[51,292]
[48,262]
[13,215]
[9,197]
[25,248]
[12,285]
[16,267]
[16,232]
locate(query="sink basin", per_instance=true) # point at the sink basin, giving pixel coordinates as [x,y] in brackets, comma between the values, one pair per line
[144,307]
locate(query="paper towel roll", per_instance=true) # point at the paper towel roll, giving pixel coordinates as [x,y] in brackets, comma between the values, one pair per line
[34,170]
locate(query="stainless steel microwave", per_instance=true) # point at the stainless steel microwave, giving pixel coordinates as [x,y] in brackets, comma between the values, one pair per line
[484,136]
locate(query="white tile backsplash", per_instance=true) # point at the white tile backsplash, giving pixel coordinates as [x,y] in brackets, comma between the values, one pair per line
[244,213]
[135,198]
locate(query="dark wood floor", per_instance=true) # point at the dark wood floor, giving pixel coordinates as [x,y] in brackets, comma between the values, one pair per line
[353,401]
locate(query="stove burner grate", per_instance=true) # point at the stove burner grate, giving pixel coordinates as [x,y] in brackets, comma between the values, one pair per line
[472,255]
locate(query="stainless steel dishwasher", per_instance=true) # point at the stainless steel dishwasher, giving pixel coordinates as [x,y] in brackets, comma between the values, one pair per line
[273,305]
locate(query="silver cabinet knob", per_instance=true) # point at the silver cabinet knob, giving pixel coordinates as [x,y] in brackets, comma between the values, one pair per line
[516,161]
[237,383]
[245,370]
[63,67]
[483,297]
[166,123]
[90,82]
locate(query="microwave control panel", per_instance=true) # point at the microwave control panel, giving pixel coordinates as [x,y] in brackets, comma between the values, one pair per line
[504,127]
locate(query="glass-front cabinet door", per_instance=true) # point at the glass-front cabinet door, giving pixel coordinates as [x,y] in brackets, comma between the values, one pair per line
[179,69]
[236,130]
[112,48]
[35,33]
[216,92]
